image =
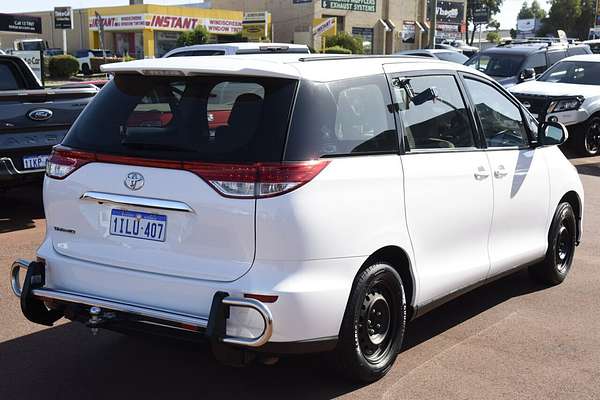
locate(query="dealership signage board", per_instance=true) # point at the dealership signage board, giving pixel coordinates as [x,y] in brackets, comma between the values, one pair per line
[526,25]
[63,18]
[33,58]
[255,26]
[20,23]
[324,27]
[481,14]
[451,12]
[408,31]
[350,5]
[166,22]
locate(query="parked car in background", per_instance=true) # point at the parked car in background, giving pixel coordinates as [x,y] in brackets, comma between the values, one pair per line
[516,62]
[461,45]
[237,48]
[32,120]
[309,219]
[594,45]
[568,92]
[439,54]
[84,57]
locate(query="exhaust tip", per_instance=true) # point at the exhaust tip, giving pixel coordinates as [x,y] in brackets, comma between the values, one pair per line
[15,275]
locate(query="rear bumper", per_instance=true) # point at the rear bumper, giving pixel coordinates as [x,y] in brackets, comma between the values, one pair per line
[10,175]
[104,312]
[306,317]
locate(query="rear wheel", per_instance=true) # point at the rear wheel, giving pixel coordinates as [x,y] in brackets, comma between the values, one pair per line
[587,143]
[85,69]
[373,325]
[561,248]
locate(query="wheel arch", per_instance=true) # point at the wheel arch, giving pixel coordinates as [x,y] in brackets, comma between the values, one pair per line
[398,258]
[573,199]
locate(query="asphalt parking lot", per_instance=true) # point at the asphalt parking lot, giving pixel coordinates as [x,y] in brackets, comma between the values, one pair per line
[511,339]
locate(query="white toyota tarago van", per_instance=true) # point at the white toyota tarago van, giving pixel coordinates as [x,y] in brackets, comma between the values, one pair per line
[286,205]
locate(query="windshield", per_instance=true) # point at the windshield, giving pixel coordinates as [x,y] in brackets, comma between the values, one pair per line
[580,73]
[231,119]
[502,65]
[453,56]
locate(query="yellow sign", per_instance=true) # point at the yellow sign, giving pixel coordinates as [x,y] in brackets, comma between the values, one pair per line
[324,27]
[256,26]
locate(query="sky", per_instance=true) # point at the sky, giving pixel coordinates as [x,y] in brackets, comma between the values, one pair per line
[507,16]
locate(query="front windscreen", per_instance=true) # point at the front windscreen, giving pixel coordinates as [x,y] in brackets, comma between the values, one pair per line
[581,73]
[229,119]
[501,65]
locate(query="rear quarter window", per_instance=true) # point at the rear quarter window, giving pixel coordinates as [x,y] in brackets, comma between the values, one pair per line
[345,117]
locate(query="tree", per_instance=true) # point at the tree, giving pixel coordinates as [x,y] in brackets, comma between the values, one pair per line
[575,17]
[535,11]
[345,40]
[493,37]
[199,35]
[525,12]
[492,5]
[513,33]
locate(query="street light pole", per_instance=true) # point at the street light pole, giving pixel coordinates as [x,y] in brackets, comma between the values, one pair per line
[432,22]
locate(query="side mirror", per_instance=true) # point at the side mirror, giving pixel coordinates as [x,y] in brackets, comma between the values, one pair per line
[552,133]
[527,74]
[425,96]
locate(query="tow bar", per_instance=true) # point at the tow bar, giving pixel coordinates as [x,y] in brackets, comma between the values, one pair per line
[101,311]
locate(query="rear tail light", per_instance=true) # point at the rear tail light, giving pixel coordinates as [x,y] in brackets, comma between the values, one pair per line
[257,180]
[244,181]
[63,162]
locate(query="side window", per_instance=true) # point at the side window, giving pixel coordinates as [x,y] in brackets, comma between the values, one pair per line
[440,122]
[8,79]
[500,118]
[343,117]
[537,61]
[555,56]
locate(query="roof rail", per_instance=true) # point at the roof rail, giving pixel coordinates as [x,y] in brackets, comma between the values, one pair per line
[352,57]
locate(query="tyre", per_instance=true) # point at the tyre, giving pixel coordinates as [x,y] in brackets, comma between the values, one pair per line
[85,69]
[587,141]
[561,248]
[373,325]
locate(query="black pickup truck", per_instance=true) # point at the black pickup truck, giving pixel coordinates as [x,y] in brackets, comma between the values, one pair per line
[32,120]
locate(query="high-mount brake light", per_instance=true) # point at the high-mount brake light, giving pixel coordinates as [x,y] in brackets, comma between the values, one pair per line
[63,162]
[241,181]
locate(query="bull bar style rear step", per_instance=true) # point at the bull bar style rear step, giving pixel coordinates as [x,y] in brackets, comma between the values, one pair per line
[33,294]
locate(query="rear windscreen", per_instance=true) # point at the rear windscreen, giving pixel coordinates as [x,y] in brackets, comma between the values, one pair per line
[228,119]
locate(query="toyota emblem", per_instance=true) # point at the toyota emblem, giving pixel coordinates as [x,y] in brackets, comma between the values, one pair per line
[134,181]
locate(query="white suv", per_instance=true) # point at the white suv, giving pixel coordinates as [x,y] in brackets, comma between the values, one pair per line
[568,92]
[337,199]
[245,48]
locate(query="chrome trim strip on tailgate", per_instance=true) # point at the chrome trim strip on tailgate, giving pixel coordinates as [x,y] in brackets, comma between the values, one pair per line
[137,201]
[118,306]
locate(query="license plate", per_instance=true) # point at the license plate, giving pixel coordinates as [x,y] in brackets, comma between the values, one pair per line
[139,225]
[35,162]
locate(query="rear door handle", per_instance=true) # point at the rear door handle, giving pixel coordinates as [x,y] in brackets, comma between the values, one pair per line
[481,173]
[500,171]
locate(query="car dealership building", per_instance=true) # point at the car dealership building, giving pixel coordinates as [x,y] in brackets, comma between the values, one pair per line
[146,30]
